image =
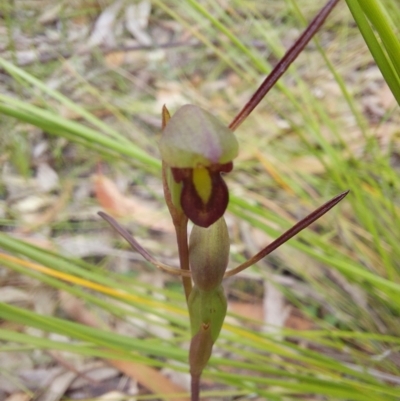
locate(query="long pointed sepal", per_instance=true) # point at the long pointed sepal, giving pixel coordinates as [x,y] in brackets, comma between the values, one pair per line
[283,64]
[287,235]
[135,245]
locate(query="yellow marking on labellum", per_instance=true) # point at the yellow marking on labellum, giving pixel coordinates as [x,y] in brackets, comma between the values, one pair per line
[202,183]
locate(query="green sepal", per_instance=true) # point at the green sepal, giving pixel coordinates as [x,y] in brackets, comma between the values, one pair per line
[200,351]
[175,189]
[207,309]
[193,137]
[172,189]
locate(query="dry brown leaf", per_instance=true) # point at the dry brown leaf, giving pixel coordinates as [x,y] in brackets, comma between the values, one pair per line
[103,32]
[46,178]
[76,310]
[248,310]
[170,93]
[10,294]
[136,21]
[150,378]
[18,397]
[51,14]
[137,58]
[119,205]
[33,204]
[110,197]
[94,372]
[298,321]
[58,387]
[295,320]
[50,214]
[115,59]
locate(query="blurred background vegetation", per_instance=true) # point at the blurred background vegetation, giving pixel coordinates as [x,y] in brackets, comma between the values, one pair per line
[82,83]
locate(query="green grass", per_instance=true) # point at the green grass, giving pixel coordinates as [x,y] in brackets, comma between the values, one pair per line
[317,139]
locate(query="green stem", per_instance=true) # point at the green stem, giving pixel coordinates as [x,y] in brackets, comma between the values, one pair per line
[183,249]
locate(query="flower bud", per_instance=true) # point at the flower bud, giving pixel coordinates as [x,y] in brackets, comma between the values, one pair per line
[209,254]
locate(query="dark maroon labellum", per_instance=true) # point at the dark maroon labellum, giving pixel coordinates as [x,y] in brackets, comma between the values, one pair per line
[200,211]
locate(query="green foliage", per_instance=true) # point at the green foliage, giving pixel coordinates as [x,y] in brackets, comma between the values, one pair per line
[378,29]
